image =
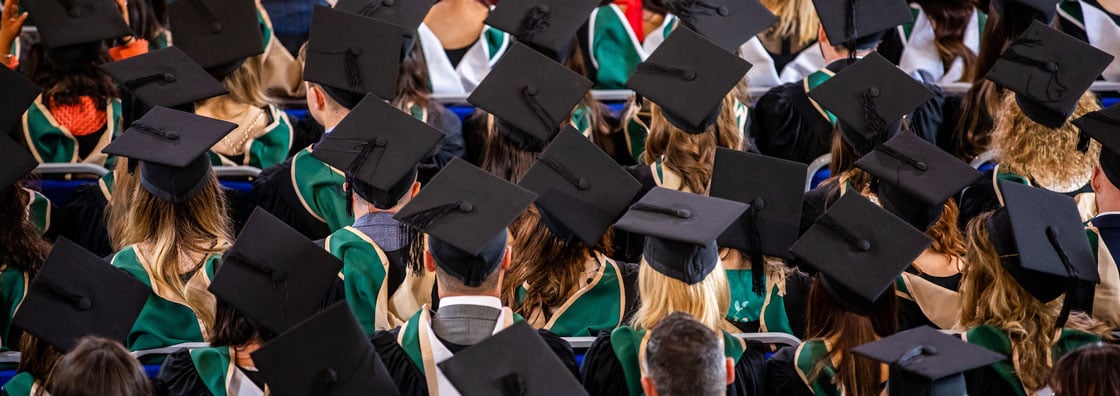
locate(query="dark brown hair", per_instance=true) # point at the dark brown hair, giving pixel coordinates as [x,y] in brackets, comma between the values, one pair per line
[98,366]
[231,328]
[950,23]
[857,375]
[412,84]
[597,114]
[1088,371]
[21,246]
[37,358]
[66,87]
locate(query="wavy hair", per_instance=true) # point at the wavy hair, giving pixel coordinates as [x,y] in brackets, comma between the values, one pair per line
[21,246]
[707,301]
[1046,155]
[691,155]
[844,330]
[950,23]
[947,237]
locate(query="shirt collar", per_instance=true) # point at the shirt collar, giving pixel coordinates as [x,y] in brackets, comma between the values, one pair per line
[486,301]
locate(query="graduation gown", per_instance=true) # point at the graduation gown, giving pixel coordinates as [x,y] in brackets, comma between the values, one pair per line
[13,288]
[635,127]
[1091,23]
[613,48]
[781,307]
[770,69]
[49,141]
[1104,237]
[447,78]
[262,139]
[206,371]
[611,365]
[23,384]
[999,379]
[981,196]
[787,372]
[926,300]
[918,56]
[281,74]
[40,211]
[408,352]
[166,319]
[607,298]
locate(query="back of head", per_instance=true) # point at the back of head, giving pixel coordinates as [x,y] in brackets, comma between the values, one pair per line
[707,301]
[1088,371]
[685,357]
[98,366]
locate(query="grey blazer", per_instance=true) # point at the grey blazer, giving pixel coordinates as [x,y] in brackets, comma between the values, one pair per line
[465,324]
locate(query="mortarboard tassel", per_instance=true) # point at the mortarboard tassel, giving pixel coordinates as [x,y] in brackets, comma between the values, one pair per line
[513,385]
[850,41]
[862,245]
[136,83]
[644,207]
[873,124]
[536,21]
[528,95]
[1071,272]
[278,276]
[353,70]
[80,302]
[689,9]
[200,5]
[758,261]
[576,181]
[370,8]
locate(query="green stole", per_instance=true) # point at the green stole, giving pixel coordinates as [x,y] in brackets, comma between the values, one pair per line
[808,354]
[495,42]
[212,364]
[768,309]
[23,384]
[629,345]
[412,339]
[49,141]
[615,41]
[39,211]
[812,82]
[592,309]
[996,340]
[13,288]
[106,185]
[271,147]
[364,270]
[162,322]
[581,120]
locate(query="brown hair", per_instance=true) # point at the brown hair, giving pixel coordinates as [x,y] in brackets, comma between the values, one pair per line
[597,114]
[232,328]
[947,237]
[116,213]
[950,23]
[21,246]
[413,83]
[691,155]
[98,366]
[856,375]
[244,84]
[66,86]
[38,358]
[1048,156]
[1088,371]
[991,296]
[501,157]
[544,261]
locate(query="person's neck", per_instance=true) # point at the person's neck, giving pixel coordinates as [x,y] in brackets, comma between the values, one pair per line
[843,55]
[242,354]
[332,120]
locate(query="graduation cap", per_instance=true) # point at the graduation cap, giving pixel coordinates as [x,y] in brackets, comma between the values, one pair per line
[580,190]
[1041,242]
[549,26]
[1049,71]
[408,14]
[68,23]
[681,230]
[17,162]
[77,294]
[327,354]
[1104,126]
[534,106]
[688,76]
[527,367]
[274,275]
[729,23]
[351,55]
[870,97]
[171,146]
[465,211]
[1044,10]
[916,177]
[774,188]
[860,249]
[165,77]
[861,24]
[378,144]
[218,34]
[927,362]
[19,94]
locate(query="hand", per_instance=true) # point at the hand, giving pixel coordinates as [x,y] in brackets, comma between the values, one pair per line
[11,24]
[123,6]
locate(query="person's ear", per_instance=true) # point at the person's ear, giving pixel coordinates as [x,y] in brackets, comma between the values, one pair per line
[415,189]
[429,261]
[507,259]
[647,386]
[730,365]
[1096,181]
[315,96]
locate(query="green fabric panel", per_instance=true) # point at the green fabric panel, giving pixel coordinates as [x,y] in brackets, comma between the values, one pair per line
[815,80]
[995,340]
[1094,242]
[364,272]
[908,28]
[627,342]
[20,385]
[637,135]
[1073,9]
[12,293]
[161,322]
[1071,339]
[746,306]
[212,365]
[900,285]
[48,140]
[597,309]
[272,147]
[777,320]
[266,32]
[410,341]
[39,211]
[613,49]
[732,347]
[495,40]
[811,352]
[981,21]
[321,188]
[108,180]
[581,120]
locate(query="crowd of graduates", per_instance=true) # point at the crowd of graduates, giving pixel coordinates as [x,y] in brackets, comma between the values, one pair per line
[381,243]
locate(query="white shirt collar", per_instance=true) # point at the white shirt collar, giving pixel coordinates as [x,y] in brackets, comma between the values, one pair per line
[486,301]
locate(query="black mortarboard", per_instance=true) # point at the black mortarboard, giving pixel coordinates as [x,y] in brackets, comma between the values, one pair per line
[861,22]
[926,362]
[688,76]
[351,55]
[533,105]
[17,162]
[67,23]
[1049,71]
[77,294]
[860,249]
[327,354]
[870,97]
[408,14]
[274,275]
[916,178]
[19,93]
[172,147]
[378,144]
[527,367]
[165,77]
[729,23]
[549,26]
[1104,126]
[1044,9]
[1040,240]
[774,188]
[681,230]
[580,190]
[218,34]
[465,211]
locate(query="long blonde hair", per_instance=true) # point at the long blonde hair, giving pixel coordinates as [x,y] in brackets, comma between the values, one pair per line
[244,84]
[175,231]
[707,300]
[991,296]
[691,155]
[797,19]
[1049,156]
[116,212]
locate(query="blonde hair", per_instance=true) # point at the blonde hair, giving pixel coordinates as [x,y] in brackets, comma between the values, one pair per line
[244,84]
[1048,156]
[691,155]
[947,237]
[991,296]
[797,19]
[116,211]
[175,231]
[707,300]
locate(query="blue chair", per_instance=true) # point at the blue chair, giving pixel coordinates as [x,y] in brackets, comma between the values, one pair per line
[818,172]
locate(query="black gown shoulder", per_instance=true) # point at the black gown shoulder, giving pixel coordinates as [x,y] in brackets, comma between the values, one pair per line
[273,191]
[629,272]
[785,124]
[408,378]
[782,378]
[562,349]
[83,220]
[985,381]
[910,314]
[627,246]
[797,300]
[178,377]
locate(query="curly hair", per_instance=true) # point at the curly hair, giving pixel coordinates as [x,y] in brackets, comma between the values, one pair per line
[692,155]
[1047,156]
[21,246]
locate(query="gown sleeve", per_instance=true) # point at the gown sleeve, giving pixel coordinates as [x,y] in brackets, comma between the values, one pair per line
[602,372]
[409,379]
[781,375]
[927,119]
[450,148]
[749,372]
[781,128]
[83,220]
[178,376]
[562,349]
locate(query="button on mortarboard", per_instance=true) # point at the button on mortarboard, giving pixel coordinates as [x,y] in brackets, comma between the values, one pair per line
[548,26]
[924,361]
[165,77]
[218,34]
[66,23]
[341,55]
[729,23]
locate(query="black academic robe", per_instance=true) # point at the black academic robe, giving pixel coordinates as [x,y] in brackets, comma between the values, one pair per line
[781,376]
[981,197]
[178,376]
[910,314]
